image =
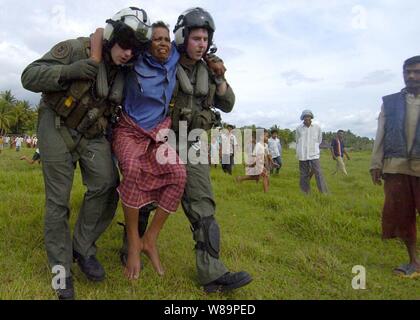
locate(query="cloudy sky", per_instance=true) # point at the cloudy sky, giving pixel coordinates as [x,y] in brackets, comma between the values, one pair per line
[337,58]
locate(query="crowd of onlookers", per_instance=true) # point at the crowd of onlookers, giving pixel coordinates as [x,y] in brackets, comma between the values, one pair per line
[17,141]
[263,156]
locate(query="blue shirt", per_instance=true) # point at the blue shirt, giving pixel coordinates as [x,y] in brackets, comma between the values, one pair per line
[149,89]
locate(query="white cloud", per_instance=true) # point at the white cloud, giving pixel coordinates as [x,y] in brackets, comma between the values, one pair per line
[282,56]
[293,77]
[373,78]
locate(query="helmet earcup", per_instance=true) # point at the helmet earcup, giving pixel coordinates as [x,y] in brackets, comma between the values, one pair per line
[132,17]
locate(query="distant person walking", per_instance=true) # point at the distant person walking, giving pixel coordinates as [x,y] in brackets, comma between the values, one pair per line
[229,142]
[214,156]
[308,139]
[259,162]
[274,148]
[396,160]
[6,141]
[18,143]
[338,151]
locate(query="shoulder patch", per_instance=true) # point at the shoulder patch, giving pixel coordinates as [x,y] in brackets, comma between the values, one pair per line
[61,50]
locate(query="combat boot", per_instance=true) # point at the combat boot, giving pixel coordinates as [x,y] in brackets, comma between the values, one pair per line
[68,292]
[229,281]
[90,266]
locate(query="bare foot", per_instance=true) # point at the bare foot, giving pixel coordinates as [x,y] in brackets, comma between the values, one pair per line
[132,269]
[152,253]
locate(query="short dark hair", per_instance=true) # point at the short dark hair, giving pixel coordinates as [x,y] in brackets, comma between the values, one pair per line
[274,131]
[160,24]
[340,131]
[229,126]
[411,61]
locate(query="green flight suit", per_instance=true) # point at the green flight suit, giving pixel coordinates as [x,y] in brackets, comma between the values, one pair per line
[99,173]
[198,200]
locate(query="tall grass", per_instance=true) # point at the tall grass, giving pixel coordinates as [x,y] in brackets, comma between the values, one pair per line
[295,246]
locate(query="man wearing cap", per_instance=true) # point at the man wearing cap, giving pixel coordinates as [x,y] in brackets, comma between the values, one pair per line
[396,160]
[308,139]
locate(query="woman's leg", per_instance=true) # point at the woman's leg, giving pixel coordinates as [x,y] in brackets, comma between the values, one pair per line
[135,244]
[150,239]
[266,182]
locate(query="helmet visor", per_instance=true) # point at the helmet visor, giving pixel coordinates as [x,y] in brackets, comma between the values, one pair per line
[140,27]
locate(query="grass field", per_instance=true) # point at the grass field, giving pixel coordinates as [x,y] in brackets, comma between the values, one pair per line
[295,246]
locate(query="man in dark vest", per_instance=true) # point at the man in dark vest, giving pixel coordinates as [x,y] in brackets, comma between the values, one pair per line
[81,85]
[396,160]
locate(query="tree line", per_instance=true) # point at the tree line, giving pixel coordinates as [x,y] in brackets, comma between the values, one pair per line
[351,140]
[16,116]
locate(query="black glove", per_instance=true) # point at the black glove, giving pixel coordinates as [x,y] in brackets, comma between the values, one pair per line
[212,57]
[85,69]
[216,66]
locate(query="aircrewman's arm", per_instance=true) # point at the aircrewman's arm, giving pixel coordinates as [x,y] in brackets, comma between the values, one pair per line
[55,70]
[226,101]
[43,75]
[225,98]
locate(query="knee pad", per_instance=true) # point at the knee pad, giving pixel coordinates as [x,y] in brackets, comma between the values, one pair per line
[211,233]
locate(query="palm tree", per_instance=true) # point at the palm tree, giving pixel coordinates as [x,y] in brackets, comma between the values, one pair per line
[21,115]
[6,116]
[8,97]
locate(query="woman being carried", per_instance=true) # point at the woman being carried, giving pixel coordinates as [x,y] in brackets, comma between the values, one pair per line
[136,140]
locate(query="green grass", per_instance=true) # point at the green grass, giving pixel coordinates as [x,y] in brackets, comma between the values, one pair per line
[295,246]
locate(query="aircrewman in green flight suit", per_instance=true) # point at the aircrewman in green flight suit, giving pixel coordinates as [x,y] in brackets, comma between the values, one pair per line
[197,91]
[79,94]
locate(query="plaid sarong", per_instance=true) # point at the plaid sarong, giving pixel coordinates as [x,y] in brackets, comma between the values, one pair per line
[402,204]
[144,179]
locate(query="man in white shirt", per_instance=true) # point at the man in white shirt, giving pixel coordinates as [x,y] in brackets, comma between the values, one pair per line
[274,148]
[6,141]
[229,142]
[308,139]
[19,141]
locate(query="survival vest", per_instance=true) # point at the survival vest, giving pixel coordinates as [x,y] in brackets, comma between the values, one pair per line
[87,104]
[192,100]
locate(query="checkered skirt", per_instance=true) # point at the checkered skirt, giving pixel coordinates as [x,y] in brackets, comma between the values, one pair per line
[144,179]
